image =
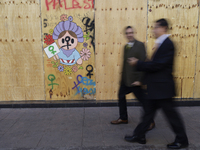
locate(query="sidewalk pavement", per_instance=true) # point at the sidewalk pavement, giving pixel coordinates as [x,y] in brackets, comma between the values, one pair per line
[87,128]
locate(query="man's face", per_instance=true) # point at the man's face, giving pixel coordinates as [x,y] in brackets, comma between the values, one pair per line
[130,34]
[67,42]
[158,30]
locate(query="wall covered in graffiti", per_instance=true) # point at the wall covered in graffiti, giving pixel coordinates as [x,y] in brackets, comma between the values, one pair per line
[48,46]
[68,44]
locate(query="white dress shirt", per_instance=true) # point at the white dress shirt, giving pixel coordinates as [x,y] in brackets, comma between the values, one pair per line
[158,42]
[161,39]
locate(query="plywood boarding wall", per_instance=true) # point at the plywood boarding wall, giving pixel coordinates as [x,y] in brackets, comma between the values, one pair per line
[111,17]
[24,62]
[71,76]
[197,70]
[21,61]
[183,18]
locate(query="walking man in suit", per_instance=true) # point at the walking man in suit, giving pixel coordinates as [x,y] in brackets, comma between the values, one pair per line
[160,88]
[131,78]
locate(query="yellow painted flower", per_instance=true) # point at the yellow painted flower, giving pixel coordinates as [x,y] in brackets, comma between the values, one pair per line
[51,31]
[68,71]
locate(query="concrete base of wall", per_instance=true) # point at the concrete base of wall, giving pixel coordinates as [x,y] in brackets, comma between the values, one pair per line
[84,103]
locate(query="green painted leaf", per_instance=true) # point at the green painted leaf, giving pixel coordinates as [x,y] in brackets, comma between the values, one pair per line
[55,66]
[56,63]
[53,62]
[87,38]
[80,67]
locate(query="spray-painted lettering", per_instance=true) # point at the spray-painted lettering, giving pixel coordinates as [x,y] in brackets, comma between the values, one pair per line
[89,27]
[85,81]
[76,4]
[84,91]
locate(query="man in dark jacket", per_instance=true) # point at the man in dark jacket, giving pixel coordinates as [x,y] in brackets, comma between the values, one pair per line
[160,88]
[131,78]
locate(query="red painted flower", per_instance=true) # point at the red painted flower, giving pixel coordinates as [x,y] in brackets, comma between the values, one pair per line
[48,40]
[63,17]
[75,68]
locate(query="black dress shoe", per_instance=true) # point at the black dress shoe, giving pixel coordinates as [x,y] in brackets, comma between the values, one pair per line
[176,145]
[135,139]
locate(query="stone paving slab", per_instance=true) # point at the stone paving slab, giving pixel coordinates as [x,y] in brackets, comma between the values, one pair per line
[87,128]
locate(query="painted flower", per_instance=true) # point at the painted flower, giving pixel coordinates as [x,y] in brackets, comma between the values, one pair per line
[75,68]
[85,44]
[63,17]
[68,71]
[85,54]
[48,40]
[70,18]
[61,68]
[51,31]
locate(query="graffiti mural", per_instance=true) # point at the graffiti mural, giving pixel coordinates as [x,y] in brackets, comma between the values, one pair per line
[68,44]
[90,86]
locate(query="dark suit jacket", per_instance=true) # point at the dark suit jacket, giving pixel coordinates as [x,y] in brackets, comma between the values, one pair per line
[129,73]
[158,77]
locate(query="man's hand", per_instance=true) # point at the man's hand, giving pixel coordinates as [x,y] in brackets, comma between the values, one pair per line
[132,61]
[137,83]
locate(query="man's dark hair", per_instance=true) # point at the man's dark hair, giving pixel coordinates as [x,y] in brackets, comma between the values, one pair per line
[163,23]
[128,27]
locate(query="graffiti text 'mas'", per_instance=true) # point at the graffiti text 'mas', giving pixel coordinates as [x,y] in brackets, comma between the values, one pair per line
[84,91]
[73,4]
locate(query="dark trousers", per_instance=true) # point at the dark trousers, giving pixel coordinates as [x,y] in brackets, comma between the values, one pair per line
[172,115]
[123,91]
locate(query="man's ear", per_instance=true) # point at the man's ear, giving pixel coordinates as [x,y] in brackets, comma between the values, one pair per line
[166,29]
